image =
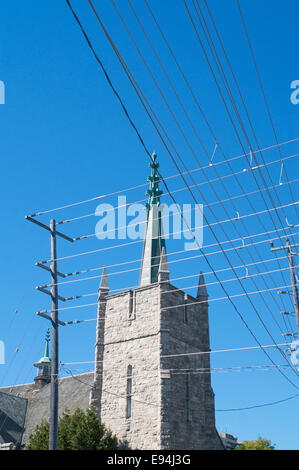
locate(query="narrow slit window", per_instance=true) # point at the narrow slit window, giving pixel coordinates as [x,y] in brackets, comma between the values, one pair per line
[185,309]
[129,392]
[131,303]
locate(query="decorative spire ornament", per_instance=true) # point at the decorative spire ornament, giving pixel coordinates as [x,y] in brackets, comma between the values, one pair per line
[153,240]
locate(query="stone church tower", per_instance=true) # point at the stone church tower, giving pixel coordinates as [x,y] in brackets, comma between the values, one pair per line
[147,388]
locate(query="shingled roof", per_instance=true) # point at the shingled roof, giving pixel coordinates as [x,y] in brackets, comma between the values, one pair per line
[12,419]
[73,393]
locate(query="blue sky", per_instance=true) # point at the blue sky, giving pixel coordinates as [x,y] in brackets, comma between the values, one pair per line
[65,138]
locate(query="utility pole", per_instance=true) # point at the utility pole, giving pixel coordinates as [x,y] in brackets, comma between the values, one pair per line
[54,318]
[53,433]
[289,247]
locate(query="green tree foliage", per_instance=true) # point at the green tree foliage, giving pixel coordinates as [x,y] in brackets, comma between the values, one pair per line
[39,440]
[259,444]
[78,431]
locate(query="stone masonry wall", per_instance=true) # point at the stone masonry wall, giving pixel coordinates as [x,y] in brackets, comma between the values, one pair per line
[131,337]
[188,398]
[171,408]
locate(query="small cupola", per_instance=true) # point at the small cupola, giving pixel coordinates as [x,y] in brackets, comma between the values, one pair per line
[44,365]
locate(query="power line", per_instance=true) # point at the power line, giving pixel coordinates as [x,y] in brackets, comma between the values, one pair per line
[247,276]
[131,188]
[231,198]
[176,94]
[169,262]
[225,298]
[119,56]
[194,97]
[198,353]
[231,70]
[203,226]
[262,89]
[151,74]
[172,279]
[121,245]
[126,70]
[158,406]
[129,204]
[260,406]
[182,305]
[131,77]
[194,371]
[231,96]
[225,104]
[187,82]
[180,277]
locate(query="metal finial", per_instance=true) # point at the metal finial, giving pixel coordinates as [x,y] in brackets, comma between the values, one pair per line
[153,192]
[47,339]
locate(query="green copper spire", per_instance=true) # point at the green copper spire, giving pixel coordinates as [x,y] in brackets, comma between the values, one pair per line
[153,240]
[46,357]
[153,192]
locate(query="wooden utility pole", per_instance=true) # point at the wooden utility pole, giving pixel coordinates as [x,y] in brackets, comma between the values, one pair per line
[54,318]
[53,433]
[289,247]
